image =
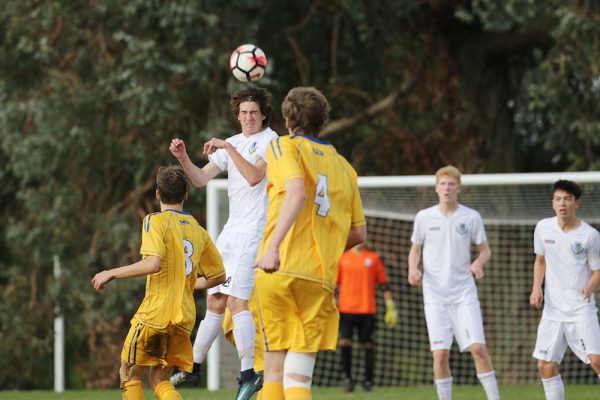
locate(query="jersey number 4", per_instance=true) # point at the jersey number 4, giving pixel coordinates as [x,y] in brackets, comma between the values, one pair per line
[322,197]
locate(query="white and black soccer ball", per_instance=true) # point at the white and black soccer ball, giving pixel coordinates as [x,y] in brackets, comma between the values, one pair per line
[248,63]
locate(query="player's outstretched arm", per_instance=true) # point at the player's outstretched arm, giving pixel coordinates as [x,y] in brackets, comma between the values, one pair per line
[146,266]
[414,273]
[198,176]
[202,283]
[539,271]
[253,174]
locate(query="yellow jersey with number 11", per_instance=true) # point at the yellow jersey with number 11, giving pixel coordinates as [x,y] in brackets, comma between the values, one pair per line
[315,242]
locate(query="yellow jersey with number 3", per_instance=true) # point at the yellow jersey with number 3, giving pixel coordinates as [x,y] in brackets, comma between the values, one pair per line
[186,250]
[315,242]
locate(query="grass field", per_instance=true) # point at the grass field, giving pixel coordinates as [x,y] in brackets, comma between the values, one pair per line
[507,392]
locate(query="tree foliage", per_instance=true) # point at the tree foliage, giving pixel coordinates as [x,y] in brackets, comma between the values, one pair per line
[91,93]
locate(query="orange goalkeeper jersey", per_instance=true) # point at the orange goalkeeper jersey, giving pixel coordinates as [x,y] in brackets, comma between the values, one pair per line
[359,273]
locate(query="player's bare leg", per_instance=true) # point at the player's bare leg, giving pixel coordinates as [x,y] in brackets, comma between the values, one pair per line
[595,362]
[273,386]
[551,379]
[441,373]
[485,370]
[131,381]
[209,329]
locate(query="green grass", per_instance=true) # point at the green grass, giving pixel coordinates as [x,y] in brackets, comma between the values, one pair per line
[507,392]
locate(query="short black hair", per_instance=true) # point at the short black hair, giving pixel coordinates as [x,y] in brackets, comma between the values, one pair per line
[172,184]
[568,186]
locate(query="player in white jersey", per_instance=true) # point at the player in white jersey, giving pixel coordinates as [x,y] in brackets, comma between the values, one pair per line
[243,156]
[444,234]
[567,258]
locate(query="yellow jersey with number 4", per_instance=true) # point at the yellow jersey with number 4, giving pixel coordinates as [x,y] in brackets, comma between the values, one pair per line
[315,242]
[186,251]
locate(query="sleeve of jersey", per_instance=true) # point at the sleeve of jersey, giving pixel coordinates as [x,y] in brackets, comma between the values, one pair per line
[358,215]
[538,246]
[479,235]
[264,146]
[153,237]
[283,161]
[219,158]
[381,275]
[418,236]
[594,251]
[211,263]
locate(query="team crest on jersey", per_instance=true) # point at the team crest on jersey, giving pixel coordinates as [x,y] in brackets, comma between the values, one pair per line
[462,228]
[184,222]
[577,247]
[252,148]
[368,262]
[317,152]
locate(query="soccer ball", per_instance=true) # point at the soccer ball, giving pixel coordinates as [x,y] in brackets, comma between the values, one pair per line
[248,63]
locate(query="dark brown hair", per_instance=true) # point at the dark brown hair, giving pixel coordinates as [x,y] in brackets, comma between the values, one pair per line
[256,94]
[172,184]
[568,186]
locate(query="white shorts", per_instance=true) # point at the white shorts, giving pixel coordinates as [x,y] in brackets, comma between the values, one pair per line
[583,337]
[238,251]
[460,320]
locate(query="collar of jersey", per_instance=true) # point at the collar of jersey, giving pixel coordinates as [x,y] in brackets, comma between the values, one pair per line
[311,138]
[178,212]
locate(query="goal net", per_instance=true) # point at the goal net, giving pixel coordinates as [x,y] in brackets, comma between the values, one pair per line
[510,205]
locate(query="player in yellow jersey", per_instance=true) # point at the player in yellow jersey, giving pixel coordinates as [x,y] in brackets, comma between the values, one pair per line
[315,213]
[175,250]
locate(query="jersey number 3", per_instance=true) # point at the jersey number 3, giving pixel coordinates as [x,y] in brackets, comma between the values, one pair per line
[188,250]
[322,197]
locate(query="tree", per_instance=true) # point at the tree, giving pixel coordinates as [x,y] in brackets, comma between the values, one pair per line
[92,92]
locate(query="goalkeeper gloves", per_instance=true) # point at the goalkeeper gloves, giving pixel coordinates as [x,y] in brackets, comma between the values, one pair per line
[391,315]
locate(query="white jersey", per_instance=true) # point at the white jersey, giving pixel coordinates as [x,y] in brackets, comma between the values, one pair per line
[570,258]
[247,204]
[446,245]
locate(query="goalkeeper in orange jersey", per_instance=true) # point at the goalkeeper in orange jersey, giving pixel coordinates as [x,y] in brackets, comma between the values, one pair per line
[315,212]
[360,270]
[175,250]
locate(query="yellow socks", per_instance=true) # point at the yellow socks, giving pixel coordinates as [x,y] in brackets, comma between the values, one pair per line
[298,393]
[132,390]
[165,391]
[272,391]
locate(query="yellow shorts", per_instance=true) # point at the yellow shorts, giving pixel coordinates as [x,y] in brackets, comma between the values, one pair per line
[258,342]
[296,314]
[146,346]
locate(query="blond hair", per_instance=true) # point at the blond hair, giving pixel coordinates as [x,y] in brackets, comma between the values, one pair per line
[307,110]
[448,170]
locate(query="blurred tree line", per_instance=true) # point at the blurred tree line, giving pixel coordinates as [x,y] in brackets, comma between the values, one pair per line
[91,92]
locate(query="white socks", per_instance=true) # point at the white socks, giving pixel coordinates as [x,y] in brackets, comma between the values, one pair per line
[490,385]
[554,388]
[244,333]
[208,331]
[444,388]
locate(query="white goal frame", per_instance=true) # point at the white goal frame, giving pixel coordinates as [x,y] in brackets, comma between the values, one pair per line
[213,217]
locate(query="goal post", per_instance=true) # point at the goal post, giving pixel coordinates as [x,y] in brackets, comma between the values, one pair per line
[510,205]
